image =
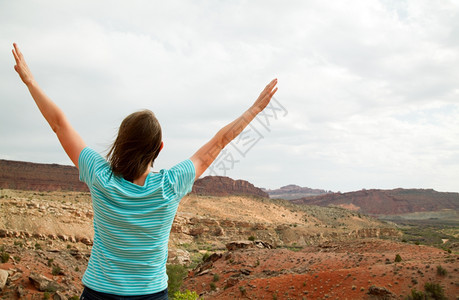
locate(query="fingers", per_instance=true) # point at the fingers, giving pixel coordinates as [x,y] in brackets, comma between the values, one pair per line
[17,54]
[16,58]
[271,84]
[16,48]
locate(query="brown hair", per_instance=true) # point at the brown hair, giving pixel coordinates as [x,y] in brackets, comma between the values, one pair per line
[138,143]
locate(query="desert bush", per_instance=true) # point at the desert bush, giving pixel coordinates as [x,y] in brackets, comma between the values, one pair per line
[251,238]
[213,286]
[416,295]
[216,277]
[176,274]
[434,291]
[46,295]
[205,256]
[37,246]
[187,295]
[398,258]
[441,271]
[4,257]
[242,290]
[56,270]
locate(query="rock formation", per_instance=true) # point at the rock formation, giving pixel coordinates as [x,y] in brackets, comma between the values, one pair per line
[39,177]
[52,177]
[387,202]
[293,191]
[225,186]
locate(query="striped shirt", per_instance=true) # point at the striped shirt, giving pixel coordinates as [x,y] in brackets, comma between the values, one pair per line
[131,225]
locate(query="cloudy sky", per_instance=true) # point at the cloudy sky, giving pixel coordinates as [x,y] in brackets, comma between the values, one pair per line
[368,90]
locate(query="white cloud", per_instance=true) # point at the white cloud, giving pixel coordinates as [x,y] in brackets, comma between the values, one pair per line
[370,86]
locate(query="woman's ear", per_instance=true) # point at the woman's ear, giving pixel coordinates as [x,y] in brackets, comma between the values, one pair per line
[161,147]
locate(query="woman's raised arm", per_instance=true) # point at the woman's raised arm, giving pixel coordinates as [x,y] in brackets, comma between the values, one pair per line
[70,140]
[206,155]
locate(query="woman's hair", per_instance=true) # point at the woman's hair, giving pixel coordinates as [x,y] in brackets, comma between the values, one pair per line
[138,144]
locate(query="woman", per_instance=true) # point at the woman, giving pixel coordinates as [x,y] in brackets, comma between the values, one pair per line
[133,208]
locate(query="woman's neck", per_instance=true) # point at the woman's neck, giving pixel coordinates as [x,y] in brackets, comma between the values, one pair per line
[141,180]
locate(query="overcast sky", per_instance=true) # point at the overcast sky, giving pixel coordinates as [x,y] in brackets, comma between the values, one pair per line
[368,90]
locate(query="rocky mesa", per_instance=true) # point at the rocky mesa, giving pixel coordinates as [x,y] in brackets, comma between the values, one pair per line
[387,202]
[52,177]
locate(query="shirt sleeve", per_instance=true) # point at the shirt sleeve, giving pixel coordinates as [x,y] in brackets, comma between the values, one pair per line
[88,162]
[179,179]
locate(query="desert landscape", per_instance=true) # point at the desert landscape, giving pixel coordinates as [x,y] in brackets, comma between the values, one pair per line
[233,242]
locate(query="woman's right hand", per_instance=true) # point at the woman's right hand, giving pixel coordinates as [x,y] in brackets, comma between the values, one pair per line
[21,66]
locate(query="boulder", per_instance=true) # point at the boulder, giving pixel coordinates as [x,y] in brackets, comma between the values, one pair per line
[43,283]
[86,241]
[179,256]
[262,244]
[234,245]
[3,278]
[377,292]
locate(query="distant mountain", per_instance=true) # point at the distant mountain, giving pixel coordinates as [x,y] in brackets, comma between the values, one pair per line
[387,202]
[19,175]
[293,191]
[225,186]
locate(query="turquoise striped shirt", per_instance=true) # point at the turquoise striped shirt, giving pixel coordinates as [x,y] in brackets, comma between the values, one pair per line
[131,225]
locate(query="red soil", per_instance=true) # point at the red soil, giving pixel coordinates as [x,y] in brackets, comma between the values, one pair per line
[334,271]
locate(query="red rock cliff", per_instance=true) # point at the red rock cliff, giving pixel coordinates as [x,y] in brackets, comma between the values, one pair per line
[225,186]
[39,177]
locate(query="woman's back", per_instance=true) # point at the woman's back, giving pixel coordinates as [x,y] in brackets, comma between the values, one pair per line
[131,225]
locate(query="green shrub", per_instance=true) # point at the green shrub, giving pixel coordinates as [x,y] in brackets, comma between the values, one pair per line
[46,295]
[38,246]
[56,270]
[416,295]
[213,286]
[4,257]
[434,291]
[398,258]
[205,256]
[176,274]
[441,271]
[242,290]
[187,295]
[216,277]
[251,238]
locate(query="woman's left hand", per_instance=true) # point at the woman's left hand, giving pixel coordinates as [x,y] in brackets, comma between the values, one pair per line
[21,66]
